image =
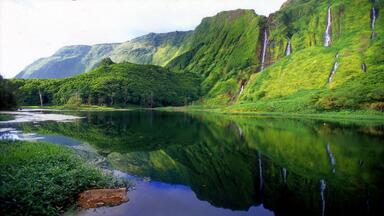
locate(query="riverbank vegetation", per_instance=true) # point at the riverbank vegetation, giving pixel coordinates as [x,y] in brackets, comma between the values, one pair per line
[39,178]
[112,85]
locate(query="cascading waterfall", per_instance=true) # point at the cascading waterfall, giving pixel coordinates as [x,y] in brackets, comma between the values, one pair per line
[327,34]
[323,186]
[265,43]
[364,67]
[260,173]
[331,158]
[288,49]
[241,89]
[373,22]
[335,66]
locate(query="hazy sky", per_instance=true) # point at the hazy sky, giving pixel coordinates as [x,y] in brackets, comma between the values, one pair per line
[31,29]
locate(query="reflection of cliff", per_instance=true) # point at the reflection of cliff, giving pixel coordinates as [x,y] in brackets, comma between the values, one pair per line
[218,157]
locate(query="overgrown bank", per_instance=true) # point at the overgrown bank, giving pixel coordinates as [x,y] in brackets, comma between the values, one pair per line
[39,178]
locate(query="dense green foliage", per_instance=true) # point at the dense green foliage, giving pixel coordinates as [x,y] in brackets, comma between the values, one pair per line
[112,84]
[43,179]
[299,82]
[221,48]
[7,97]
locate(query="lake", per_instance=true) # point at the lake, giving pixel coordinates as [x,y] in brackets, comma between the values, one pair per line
[211,164]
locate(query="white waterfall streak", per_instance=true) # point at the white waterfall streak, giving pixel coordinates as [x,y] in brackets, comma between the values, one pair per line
[288,50]
[241,89]
[373,20]
[334,69]
[327,34]
[265,43]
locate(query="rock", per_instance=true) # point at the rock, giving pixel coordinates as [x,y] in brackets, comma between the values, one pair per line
[101,197]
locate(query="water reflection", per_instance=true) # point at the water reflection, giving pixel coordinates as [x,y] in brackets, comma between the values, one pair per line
[237,163]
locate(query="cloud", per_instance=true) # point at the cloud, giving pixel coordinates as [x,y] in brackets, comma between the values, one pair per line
[31,29]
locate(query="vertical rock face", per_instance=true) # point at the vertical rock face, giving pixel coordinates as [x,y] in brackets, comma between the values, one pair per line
[328,30]
[264,51]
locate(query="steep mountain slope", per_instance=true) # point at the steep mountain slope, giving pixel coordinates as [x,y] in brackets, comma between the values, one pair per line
[345,73]
[286,53]
[221,47]
[71,60]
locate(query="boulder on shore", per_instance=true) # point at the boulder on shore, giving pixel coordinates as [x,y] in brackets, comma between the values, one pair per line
[102,197]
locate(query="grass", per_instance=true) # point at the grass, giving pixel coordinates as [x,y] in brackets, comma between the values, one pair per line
[39,178]
[249,109]
[6,117]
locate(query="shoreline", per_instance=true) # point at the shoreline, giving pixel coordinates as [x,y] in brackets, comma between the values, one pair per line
[344,115]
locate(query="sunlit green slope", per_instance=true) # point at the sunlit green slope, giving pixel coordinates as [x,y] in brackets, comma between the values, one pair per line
[301,80]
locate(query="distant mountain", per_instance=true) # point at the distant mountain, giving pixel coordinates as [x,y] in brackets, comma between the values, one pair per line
[67,61]
[71,60]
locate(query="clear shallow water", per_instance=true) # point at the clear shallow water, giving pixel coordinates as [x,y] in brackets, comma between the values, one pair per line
[206,164]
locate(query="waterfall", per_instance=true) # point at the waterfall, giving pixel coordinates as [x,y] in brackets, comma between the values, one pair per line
[327,34]
[241,89]
[265,43]
[288,49]
[331,158]
[260,174]
[335,66]
[373,21]
[364,67]
[323,185]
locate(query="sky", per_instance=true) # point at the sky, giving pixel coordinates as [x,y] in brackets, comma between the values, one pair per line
[31,29]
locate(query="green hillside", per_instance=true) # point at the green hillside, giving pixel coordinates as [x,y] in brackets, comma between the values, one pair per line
[279,63]
[113,84]
[300,81]
[228,52]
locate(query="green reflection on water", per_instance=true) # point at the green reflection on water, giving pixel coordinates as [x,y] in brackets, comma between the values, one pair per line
[237,161]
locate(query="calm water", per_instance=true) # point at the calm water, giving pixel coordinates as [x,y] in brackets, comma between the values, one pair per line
[205,164]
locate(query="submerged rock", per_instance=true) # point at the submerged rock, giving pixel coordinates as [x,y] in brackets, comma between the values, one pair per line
[102,197]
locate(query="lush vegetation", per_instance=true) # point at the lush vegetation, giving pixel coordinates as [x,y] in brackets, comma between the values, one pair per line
[113,84]
[44,179]
[7,97]
[225,52]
